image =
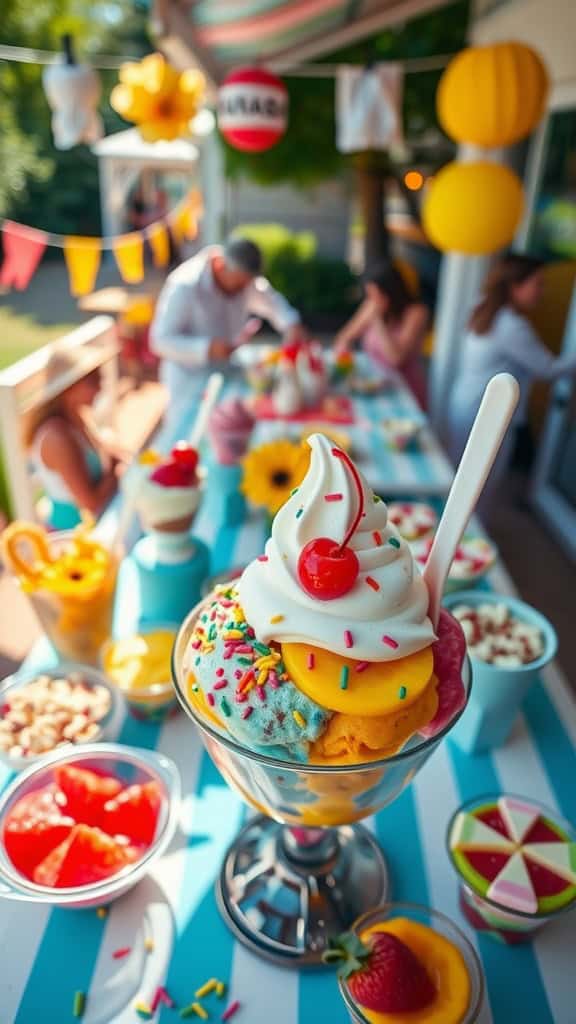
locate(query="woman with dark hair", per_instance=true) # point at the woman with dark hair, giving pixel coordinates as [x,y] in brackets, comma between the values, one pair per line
[501,339]
[392,325]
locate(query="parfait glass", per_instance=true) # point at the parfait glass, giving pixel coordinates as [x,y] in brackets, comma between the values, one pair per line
[303,869]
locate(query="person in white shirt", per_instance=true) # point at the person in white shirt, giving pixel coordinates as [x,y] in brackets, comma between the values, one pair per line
[202,313]
[500,339]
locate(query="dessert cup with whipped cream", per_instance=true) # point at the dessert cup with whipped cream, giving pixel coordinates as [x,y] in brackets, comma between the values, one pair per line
[320,688]
[230,428]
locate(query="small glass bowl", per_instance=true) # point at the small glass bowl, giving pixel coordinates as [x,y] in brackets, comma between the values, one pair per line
[108,725]
[439,923]
[131,765]
[157,701]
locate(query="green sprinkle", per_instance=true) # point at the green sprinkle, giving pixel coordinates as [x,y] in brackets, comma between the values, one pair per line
[198,660]
[295,491]
[394,542]
[261,648]
[188,1011]
[194,689]
[402,692]
[344,677]
[225,707]
[204,618]
[376,498]
[245,661]
[79,1004]
[299,513]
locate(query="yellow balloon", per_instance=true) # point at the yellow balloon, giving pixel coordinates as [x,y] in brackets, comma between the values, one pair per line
[473,208]
[492,95]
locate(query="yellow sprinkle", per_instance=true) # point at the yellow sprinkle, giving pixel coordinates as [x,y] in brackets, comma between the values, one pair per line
[148,945]
[299,719]
[102,912]
[200,1011]
[142,1007]
[234,634]
[276,618]
[220,989]
[262,677]
[206,988]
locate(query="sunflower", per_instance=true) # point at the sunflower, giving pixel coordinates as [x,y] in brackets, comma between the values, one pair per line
[157,98]
[272,471]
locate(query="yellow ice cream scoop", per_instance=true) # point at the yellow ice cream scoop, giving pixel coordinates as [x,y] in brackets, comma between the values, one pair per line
[358,687]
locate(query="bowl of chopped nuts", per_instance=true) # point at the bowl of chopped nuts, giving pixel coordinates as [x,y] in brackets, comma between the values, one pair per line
[42,710]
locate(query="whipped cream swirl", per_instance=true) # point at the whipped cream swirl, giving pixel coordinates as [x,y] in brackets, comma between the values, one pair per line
[389,598]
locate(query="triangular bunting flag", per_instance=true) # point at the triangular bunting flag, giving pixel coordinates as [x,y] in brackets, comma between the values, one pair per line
[512,887]
[184,224]
[23,249]
[82,257]
[159,243]
[129,253]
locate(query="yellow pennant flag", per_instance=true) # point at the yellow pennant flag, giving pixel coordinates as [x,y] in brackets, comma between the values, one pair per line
[129,253]
[185,223]
[82,257]
[159,243]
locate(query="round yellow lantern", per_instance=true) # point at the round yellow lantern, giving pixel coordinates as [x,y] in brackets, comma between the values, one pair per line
[492,95]
[473,208]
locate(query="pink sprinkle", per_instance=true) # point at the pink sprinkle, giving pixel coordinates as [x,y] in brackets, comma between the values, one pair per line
[391,643]
[262,558]
[362,666]
[227,653]
[348,638]
[118,954]
[377,537]
[221,685]
[372,583]
[250,632]
[244,649]
[165,997]
[219,671]
[261,693]
[196,644]
[226,602]
[232,1009]
[240,696]
[238,673]
[273,683]
[213,616]
[333,497]
[247,711]
[210,699]
[310,660]
[156,1000]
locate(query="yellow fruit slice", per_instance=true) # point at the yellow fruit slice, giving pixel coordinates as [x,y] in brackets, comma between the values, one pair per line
[198,701]
[445,965]
[374,691]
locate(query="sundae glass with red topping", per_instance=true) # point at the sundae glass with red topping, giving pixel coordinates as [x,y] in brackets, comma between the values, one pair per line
[320,688]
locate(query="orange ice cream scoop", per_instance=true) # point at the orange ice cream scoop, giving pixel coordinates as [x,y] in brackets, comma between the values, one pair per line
[369,689]
[351,739]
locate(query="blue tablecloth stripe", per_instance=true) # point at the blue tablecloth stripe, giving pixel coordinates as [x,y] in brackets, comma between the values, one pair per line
[407,870]
[516,992]
[555,749]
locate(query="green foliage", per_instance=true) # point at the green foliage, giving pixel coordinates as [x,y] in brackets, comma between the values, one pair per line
[40,185]
[312,283]
[307,154]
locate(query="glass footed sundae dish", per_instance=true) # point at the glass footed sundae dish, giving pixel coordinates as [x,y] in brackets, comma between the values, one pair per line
[320,688]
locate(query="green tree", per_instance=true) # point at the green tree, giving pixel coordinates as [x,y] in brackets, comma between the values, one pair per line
[40,185]
[307,154]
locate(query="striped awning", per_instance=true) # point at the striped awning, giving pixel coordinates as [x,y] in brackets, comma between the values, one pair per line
[283,33]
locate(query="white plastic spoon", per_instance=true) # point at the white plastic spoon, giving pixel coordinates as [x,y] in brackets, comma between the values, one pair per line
[498,403]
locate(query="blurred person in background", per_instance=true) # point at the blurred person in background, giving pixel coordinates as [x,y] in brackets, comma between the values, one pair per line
[75,467]
[391,325]
[500,339]
[202,313]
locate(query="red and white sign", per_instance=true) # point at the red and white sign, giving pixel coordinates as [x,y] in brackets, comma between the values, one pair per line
[252,109]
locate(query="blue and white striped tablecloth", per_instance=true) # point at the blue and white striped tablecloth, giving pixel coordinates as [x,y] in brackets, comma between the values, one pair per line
[49,954]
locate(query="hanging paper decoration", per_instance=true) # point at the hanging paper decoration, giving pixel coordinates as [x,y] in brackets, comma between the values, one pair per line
[185,224]
[492,95]
[23,248]
[158,99]
[73,92]
[129,253]
[159,243]
[473,208]
[368,107]
[82,257]
[252,109]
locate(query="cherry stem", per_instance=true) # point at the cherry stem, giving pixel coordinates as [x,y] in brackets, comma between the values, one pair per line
[356,477]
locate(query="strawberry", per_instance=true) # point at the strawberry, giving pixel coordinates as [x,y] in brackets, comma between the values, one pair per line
[185,455]
[173,474]
[384,976]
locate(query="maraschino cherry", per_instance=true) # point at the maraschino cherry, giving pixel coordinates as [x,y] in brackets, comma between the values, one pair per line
[180,470]
[327,569]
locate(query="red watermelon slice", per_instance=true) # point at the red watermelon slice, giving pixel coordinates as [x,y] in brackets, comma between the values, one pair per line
[449,653]
[34,826]
[86,792]
[87,855]
[134,813]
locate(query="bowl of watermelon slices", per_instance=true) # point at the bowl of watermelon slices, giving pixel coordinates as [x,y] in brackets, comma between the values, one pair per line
[80,829]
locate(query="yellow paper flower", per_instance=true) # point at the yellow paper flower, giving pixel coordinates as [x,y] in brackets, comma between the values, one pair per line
[272,471]
[158,99]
